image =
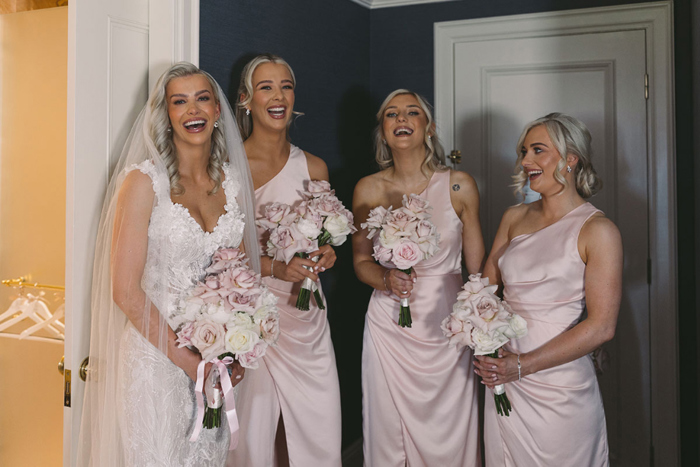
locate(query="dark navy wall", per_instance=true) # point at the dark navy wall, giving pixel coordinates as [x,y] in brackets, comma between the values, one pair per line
[327,45]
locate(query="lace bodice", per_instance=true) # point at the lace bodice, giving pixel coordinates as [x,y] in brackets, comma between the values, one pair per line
[188,248]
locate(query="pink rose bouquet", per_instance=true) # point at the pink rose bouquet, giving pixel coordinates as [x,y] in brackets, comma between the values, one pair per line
[482,321]
[318,220]
[229,315]
[402,238]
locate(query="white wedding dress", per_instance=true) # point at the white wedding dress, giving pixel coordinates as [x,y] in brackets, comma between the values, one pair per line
[155,398]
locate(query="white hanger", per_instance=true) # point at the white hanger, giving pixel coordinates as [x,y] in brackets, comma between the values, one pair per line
[33,308]
[47,323]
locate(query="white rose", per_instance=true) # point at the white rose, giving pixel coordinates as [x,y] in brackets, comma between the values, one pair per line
[240,340]
[308,228]
[517,327]
[270,328]
[487,342]
[216,312]
[337,226]
[241,320]
[387,240]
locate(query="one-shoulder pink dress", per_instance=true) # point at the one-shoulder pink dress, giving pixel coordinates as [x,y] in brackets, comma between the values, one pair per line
[419,398]
[557,416]
[298,377]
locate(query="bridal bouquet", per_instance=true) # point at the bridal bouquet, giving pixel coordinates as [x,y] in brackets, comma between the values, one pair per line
[227,316]
[319,219]
[402,238]
[483,322]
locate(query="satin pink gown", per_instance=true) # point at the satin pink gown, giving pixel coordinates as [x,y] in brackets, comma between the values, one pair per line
[297,378]
[419,399]
[557,418]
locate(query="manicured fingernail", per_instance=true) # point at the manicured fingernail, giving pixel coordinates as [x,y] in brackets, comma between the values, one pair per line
[323,269]
[494,367]
[414,280]
[238,376]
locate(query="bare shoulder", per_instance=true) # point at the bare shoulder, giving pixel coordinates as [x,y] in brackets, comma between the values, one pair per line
[138,184]
[462,181]
[599,230]
[367,188]
[515,213]
[318,170]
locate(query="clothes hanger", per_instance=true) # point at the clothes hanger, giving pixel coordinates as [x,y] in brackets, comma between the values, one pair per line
[35,309]
[53,320]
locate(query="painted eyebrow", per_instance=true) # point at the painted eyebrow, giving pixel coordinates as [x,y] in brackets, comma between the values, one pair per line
[270,81]
[186,95]
[410,106]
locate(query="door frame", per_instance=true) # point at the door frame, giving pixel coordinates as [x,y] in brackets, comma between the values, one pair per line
[656,20]
[173,30]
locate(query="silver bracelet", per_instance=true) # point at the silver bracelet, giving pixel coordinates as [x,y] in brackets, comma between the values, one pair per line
[519,367]
[386,286]
[272,267]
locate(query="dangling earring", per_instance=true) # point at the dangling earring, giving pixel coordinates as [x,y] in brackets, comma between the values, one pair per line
[568,169]
[216,124]
[384,142]
[247,111]
[430,136]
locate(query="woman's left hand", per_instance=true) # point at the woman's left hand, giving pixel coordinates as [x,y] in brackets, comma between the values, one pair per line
[326,256]
[495,371]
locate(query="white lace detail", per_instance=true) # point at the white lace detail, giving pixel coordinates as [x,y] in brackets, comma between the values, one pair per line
[159,409]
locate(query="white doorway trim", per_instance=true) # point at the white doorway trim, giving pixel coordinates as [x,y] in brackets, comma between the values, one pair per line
[656,20]
[174,35]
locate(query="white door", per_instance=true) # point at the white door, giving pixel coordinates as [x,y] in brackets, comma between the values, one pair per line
[500,84]
[111,48]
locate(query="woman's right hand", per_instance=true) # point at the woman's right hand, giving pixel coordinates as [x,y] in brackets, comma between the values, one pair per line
[399,284]
[295,270]
[237,373]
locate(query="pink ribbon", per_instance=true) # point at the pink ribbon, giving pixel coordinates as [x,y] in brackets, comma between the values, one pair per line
[229,400]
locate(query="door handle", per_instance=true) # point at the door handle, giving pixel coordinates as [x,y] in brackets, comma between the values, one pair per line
[61,365]
[84,369]
[455,156]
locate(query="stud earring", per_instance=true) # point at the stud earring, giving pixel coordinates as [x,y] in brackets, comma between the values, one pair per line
[384,141]
[430,136]
[216,124]
[568,169]
[247,111]
[170,129]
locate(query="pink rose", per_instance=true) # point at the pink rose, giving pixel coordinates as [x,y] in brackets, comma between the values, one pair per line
[208,338]
[243,302]
[224,258]
[270,328]
[274,214]
[417,205]
[402,221]
[375,221]
[316,188]
[281,237]
[407,255]
[250,358]
[184,336]
[383,255]
[457,331]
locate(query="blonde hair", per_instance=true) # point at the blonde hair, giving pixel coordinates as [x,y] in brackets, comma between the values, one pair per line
[569,136]
[163,139]
[246,90]
[434,154]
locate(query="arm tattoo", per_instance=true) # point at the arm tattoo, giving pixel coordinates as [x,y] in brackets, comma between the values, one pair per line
[455,187]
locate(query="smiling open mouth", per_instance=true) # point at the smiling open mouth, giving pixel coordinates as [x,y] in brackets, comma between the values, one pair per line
[532,174]
[276,112]
[195,124]
[403,132]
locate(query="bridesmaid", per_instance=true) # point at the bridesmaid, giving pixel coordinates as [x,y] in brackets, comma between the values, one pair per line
[555,258]
[294,396]
[419,396]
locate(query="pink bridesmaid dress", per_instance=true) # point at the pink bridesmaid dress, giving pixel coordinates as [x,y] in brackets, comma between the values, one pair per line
[297,378]
[557,416]
[419,395]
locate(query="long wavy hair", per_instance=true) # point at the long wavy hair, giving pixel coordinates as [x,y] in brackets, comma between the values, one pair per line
[163,139]
[569,136]
[246,90]
[434,154]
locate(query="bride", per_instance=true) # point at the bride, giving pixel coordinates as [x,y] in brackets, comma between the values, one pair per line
[181,190]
